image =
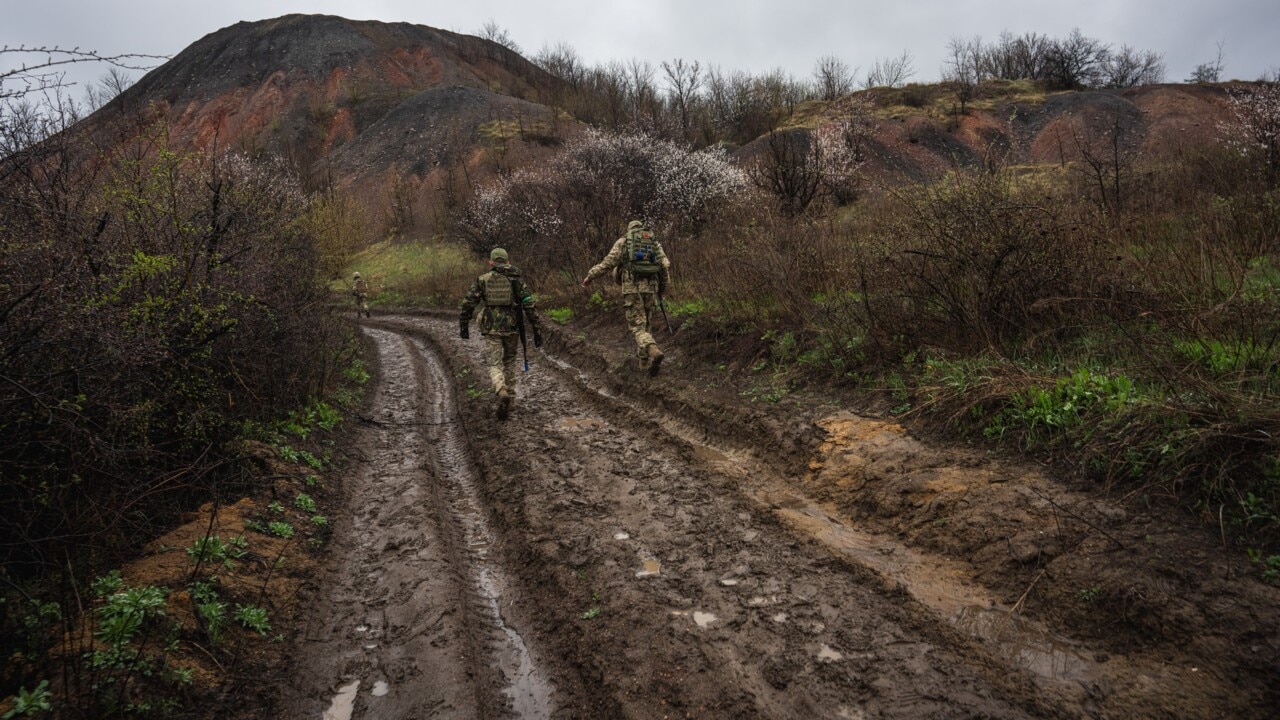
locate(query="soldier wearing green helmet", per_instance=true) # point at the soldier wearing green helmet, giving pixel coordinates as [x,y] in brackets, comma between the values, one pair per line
[503,300]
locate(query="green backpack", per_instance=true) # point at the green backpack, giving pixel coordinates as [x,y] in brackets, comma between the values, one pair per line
[642,254]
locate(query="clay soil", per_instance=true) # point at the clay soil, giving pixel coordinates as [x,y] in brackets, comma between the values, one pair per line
[693,546]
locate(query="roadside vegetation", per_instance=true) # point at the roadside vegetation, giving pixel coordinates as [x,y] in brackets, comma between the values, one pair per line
[164,326]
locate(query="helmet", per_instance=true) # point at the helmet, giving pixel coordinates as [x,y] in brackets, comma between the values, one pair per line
[355,275]
[635,225]
[498,255]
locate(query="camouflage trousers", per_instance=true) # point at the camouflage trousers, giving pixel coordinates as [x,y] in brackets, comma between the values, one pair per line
[500,356]
[640,309]
[362,304]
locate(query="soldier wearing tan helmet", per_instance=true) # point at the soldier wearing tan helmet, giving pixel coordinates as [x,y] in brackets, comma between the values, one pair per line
[642,269]
[360,291]
[502,296]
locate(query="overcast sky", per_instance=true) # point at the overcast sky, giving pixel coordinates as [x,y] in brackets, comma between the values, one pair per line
[750,35]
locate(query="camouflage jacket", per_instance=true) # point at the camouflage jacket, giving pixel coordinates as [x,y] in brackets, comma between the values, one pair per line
[360,289]
[616,261]
[501,319]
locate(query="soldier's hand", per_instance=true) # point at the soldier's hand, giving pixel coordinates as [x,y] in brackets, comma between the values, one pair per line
[464,332]
[586,281]
[537,339]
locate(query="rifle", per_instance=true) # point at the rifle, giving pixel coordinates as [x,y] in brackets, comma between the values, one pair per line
[662,305]
[520,324]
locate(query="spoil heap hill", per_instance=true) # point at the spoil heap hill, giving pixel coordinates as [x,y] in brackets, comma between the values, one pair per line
[307,85]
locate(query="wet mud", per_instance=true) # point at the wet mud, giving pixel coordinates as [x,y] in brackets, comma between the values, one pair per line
[606,554]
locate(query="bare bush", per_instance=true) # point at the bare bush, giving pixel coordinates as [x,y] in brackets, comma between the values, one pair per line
[977,257]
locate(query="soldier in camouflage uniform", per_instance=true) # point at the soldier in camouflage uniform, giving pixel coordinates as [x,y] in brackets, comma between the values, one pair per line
[360,291]
[500,293]
[642,268]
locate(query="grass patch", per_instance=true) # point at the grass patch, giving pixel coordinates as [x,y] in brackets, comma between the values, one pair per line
[560,315]
[412,273]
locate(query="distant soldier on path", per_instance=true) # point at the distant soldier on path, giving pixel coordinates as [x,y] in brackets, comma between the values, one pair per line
[360,291]
[505,301]
[642,269]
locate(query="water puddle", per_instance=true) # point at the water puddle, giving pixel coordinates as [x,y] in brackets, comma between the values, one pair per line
[380,688]
[579,424]
[621,536]
[1027,645]
[651,567]
[829,654]
[701,619]
[344,703]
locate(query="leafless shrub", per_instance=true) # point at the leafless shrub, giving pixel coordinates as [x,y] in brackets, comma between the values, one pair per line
[977,257]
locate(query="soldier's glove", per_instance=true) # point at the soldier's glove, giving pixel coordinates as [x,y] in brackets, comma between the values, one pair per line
[464,331]
[537,339]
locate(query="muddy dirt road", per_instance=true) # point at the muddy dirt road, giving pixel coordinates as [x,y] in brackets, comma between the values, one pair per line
[596,556]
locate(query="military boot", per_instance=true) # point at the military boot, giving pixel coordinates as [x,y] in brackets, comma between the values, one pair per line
[655,359]
[504,403]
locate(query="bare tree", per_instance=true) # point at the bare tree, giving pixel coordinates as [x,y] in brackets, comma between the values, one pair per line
[1130,68]
[833,77]
[494,32]
[684,81]
[1210,72]
[890,72]
[1077,61]
[964,68]
[563,62]
[108,88]
[642,93]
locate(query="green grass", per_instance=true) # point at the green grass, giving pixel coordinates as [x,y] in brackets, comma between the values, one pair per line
[560,315]
[413,273]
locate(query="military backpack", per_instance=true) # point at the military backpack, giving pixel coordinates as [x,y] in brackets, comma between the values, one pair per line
[642,254]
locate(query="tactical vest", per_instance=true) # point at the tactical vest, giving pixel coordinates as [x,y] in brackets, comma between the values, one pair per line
[642,254]
[497,290]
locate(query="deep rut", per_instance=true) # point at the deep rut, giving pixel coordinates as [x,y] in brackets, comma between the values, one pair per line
[409,622]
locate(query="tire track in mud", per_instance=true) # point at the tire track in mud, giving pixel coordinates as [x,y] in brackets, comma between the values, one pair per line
[681,596]
[408,623]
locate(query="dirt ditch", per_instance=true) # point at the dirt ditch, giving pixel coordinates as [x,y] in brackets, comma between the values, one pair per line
[612,551]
